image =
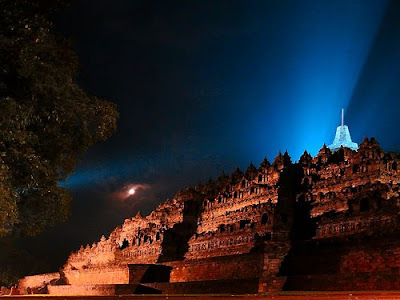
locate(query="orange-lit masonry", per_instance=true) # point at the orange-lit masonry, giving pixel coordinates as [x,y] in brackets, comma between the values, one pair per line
[390,295]
[325,223]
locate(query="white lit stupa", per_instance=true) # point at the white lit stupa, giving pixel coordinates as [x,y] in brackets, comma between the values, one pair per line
[343,138]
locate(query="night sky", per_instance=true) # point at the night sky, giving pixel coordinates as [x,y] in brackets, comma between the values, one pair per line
[205,86]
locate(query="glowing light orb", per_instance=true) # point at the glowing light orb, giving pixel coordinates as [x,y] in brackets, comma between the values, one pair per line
[131,191]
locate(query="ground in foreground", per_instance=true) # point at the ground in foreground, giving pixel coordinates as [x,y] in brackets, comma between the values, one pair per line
[358,295]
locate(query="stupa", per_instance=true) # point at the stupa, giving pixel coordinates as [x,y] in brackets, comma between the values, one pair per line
[343,138]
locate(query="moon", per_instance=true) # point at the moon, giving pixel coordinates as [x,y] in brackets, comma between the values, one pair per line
[131,191]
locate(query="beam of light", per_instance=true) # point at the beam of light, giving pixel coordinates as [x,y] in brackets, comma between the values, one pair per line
[112,171]
[376,96]
[323,49]
[180,165]
[304,61]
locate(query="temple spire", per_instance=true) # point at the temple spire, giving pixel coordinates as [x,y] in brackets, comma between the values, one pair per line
[342,117]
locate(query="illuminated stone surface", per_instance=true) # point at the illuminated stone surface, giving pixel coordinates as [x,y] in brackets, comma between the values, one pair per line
[324,223]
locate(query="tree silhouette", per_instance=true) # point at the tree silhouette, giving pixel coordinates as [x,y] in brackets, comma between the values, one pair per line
[46,120]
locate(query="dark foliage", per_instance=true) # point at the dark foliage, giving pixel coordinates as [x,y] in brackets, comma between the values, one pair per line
[46,120]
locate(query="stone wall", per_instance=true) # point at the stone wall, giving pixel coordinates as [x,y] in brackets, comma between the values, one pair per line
[91,290]
[239,242]
[361,223]
[383,259]
[118,274]
[338,182]
[339,264]
[36,281]
[243,209]
[227,267]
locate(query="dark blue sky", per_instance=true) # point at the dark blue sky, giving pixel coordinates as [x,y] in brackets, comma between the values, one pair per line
[205,86]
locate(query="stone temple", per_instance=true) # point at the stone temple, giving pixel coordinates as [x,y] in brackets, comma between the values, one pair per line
[329,222]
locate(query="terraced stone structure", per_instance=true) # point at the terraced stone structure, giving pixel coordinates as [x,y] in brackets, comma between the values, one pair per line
[324,223]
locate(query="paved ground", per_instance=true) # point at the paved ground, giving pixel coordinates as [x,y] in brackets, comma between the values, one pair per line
[386,295]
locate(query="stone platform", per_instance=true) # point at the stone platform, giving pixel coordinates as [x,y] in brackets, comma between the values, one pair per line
[100,290]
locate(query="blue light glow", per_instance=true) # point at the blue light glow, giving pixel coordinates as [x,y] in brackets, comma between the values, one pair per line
[259,78]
